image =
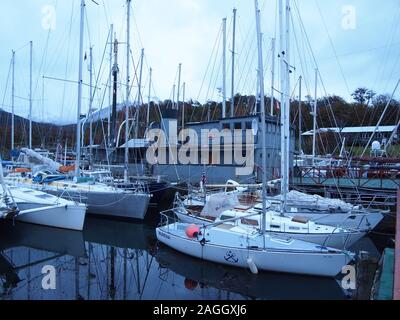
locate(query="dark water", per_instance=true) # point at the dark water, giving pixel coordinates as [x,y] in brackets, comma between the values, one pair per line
[120,260]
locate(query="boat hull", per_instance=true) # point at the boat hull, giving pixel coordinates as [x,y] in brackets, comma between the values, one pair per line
[118,205]
[286,261]
[367,221]
[71,217]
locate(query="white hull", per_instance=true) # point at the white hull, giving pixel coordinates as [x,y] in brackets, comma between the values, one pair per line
[317,263]
[70,217]
[363,221]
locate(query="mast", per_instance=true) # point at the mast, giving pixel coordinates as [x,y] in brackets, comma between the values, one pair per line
[30,94]
[283,104]
[173,96]
[183,105]
[287,105]
[13,103]
[273,47]
[149,98]
[139,98]
[128,48]
[300,116]
[262,107]
[179,86]
[115,72]
[224,69]
[91,105]
[110,84]
[233,64]
[314,148]
[80,81]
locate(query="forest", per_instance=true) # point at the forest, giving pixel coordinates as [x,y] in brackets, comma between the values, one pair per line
[365,109]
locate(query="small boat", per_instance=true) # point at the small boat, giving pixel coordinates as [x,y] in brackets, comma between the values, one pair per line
[240,247]
[100,198]
[36,207]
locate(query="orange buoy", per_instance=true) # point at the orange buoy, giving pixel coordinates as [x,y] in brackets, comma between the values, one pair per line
[192,231]
[190,284]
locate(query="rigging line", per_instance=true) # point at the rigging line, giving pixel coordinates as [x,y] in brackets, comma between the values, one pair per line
[333,47]
[314,59]
[8,79]
[217,40]
[390,38]
[106,13]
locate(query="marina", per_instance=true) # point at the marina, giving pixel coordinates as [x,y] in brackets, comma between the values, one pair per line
[118,183]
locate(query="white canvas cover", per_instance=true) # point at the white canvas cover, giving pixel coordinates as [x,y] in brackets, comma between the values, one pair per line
[299,198]
[219,203]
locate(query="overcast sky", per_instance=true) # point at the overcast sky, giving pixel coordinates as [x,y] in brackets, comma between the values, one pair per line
[355,43]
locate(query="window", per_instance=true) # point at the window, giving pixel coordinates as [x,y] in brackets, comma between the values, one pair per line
[238,126]
[249,126]
[250,222]
[226,126]
[224,217]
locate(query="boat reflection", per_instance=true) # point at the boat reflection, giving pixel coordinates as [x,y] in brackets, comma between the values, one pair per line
[271,286]
[113,260]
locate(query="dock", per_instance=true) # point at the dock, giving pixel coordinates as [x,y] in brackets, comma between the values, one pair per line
[396,293]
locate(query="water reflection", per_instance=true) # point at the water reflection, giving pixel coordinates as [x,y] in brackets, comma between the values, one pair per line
[119,260]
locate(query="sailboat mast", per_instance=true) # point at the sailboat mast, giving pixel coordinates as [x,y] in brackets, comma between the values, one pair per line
[263,117]
[273,48]
[139,97]
[115,72]
[178,94]
[110,84]
[91,105]
[149,98]
[128,48]
[224,69]
[300,116]
[283,102]
[80,81]
[13,103]
[233,64]
[30,94]
[314,148]
[183,105]
[288,97]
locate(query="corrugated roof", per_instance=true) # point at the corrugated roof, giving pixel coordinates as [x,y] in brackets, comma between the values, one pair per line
[370,129]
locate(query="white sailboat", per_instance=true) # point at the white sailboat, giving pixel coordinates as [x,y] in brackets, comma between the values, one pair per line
[251,217]
[253,248]
[32,206]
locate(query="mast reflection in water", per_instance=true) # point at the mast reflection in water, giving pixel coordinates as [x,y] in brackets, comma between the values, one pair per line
[120,260]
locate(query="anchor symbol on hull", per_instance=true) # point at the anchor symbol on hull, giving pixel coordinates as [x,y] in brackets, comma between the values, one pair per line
[231,257]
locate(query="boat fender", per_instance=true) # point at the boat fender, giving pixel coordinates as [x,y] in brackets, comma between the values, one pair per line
[192,231]
[252,266]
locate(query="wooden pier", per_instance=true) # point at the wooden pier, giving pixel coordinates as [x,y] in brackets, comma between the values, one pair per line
[396,293]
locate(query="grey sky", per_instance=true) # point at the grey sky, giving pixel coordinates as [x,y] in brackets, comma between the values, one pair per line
[185,31]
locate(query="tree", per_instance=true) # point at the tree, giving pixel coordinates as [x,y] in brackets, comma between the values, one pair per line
[363,96]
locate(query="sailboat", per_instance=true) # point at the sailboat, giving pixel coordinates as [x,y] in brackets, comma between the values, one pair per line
[32,206]
[279,226]
[233,245]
